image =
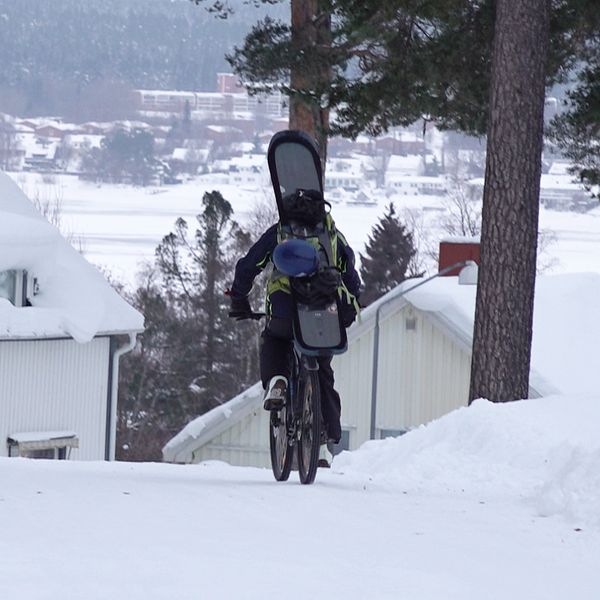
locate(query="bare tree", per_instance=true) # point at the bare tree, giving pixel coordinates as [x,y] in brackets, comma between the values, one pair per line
[462,216]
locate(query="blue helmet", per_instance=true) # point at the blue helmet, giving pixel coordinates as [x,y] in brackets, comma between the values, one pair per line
[296,258]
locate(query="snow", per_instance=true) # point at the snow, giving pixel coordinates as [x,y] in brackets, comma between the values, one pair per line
[74,299]
[34,436]
[120,226]
[493,501]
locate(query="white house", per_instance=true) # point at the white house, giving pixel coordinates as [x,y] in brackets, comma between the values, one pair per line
[422,360]
[63,329]
[558,191]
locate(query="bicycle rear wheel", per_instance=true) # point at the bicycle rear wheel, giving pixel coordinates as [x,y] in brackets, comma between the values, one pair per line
[309,439]
[282,452]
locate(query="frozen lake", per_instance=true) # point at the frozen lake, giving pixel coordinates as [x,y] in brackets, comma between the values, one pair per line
[118,227]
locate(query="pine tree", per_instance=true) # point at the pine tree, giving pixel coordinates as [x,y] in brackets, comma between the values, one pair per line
[577,131]
[505,292]
[388,257]
[191,356]
[383,64]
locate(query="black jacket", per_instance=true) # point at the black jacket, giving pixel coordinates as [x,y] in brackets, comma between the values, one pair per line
[258,257]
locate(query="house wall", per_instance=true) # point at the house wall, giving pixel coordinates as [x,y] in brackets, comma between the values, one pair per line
[423,373]
[245,444]
[50,385]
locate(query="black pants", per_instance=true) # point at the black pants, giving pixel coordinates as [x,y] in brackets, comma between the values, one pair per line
[275,359]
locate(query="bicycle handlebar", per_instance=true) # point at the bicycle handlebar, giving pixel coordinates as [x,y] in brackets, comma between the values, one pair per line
[242,316]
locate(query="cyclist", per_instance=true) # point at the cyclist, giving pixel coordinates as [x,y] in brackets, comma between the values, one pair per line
[306,210]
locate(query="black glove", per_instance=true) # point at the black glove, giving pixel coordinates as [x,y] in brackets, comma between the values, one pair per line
[240,307]
[348,314]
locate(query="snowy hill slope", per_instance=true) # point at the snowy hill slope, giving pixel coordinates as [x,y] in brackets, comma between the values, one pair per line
[488,502]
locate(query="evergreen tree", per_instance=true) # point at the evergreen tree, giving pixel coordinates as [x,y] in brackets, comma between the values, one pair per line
[390,63]
[388,256]
[124,156]
[577,131]
[191,356]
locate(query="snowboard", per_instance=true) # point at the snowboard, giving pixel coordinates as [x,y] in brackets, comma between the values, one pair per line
[294,164]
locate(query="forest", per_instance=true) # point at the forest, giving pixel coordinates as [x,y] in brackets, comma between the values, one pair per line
[58,55]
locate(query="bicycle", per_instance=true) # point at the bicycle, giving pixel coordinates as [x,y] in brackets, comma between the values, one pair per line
[298,423]
[296,428]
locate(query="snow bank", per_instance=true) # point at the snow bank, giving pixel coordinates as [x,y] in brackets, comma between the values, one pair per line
[545,451]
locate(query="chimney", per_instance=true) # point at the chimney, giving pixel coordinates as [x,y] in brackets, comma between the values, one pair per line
[458,249]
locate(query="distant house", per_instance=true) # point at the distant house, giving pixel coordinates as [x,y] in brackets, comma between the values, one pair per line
[422,361]
[558,191]
[54,130]
[399,166]
[400,142]
[346,174]
[63,329]
[248,171]
[416,185]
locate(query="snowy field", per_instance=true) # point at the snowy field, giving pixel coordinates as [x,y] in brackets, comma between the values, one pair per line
[118,227]
[493,502]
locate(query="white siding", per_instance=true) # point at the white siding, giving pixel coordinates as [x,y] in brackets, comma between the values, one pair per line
[245,444]
[353,382]
[422,374]
[49,385]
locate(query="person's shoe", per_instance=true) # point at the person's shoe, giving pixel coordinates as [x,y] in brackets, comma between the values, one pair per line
[275,395]
[325,457]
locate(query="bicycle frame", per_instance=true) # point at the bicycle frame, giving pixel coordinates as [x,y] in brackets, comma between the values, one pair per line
[310,364]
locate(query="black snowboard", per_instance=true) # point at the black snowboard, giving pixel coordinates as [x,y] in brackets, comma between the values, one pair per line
[294,164]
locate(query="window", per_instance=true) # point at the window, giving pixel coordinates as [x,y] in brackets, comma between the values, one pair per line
[385,433]
[52,445]
[344,443]
[17,287]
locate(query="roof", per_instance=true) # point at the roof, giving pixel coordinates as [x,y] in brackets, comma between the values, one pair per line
[74,299]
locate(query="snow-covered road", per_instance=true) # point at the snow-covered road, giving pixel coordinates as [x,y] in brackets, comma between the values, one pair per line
[478,505]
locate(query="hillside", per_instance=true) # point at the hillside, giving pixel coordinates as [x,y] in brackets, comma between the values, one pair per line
[54,51]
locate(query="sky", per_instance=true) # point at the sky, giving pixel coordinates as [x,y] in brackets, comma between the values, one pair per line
[493,501]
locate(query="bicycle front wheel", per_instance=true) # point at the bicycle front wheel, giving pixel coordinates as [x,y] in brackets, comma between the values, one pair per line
[282,452]
[309,438]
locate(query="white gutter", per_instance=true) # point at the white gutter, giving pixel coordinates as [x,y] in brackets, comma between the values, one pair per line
[114,392]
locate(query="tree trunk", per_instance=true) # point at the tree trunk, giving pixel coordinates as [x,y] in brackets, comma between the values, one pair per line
[504,308]
[311,29]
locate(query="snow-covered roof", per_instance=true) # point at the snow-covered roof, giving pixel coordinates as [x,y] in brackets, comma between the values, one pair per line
[566,324]
[74,298]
